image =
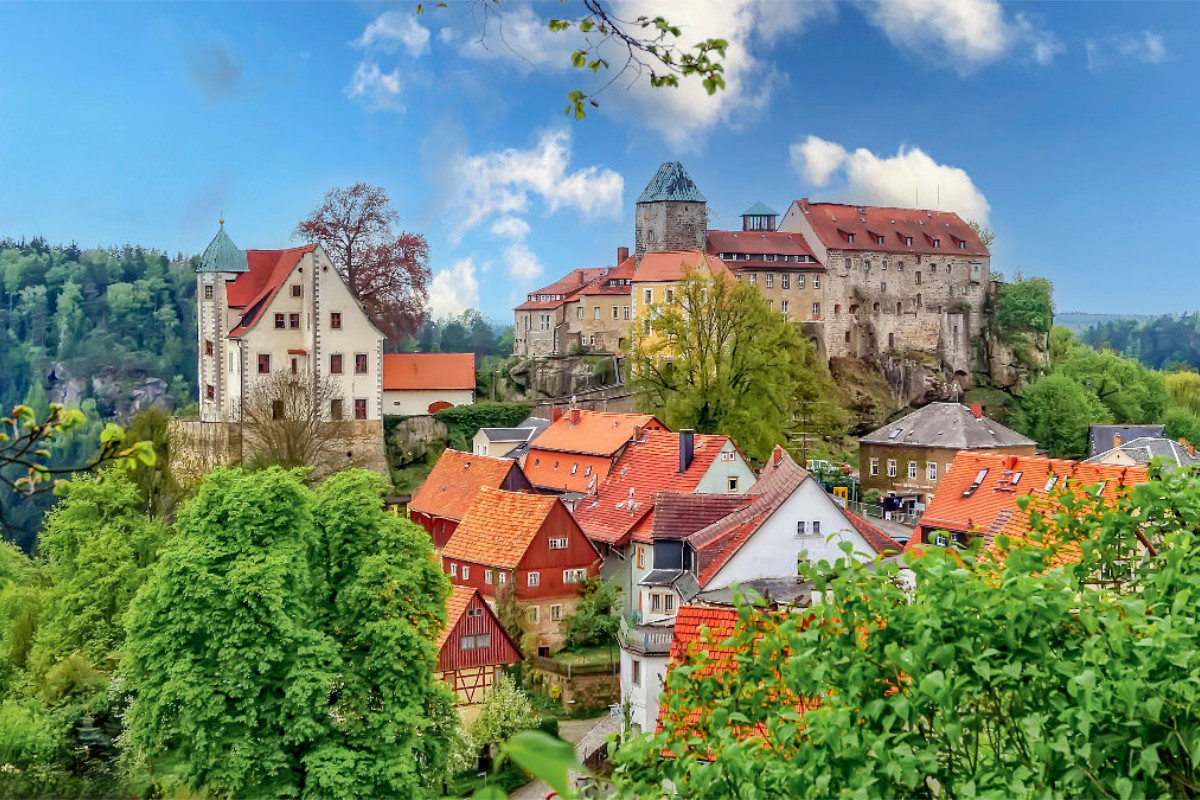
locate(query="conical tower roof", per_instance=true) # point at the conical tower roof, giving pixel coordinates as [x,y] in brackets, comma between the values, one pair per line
[222,255]
[760,210]
[671,184]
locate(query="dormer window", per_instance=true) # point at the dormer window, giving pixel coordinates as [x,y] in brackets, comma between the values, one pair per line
[850,238]
[908,240]
[962,245]
[937,242]
[878,240]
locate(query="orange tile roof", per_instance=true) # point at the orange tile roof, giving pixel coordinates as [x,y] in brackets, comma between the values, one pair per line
[454,482]
[456,605]
[253,290]
[498,528]
[599,433]
[645,468]
[428,371]
[675,265]
[548,469]
[988,508]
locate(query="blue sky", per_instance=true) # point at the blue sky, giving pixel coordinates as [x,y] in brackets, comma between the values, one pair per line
[1072,129]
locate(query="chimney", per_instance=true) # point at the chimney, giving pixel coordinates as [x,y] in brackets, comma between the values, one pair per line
[555,414]
[574,415]
[622,254]
[778,455]
[1116,440]
[977,410]
[687,448]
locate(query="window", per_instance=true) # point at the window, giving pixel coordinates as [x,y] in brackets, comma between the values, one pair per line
[912,469]
[783,306]
[487,577]
[335,409]
[467,643]
[296,290]
[878,240]
[801,527]
[280,321]
[533,613]
[799,281]
[208,347]
[647,296]
[641,558]
[670,294]
[918,279]
[850,238]
[908,240]
[294,320]
[636,675]
[733,483]
[949,269]
[264,363]
[556,612]
[816,309]
[656,602]
[503,577]
[335,363]
[669,603]
[883,287]
[883,267]
[891,467]
[899,266]
[614,308]
[770,280]
[533,579]
[962,244]
[753,278]
[847,263]
[482,640]
[785,281]
[931,470]
[947,472]
[453,570]
[596,312]
[874,466]
[335,320]
[574,467]
[466,573]
[360,363]
[937,242]
[208,291]
[210,392]
[579,313]
[360,408]
[574,575]
[816,281]
[559,543]
[816,527]
[626,312]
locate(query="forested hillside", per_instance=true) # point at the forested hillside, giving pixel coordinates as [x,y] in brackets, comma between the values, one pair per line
[1167,342]
[122,314]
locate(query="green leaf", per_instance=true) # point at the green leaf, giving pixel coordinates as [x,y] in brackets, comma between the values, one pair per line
[548,758]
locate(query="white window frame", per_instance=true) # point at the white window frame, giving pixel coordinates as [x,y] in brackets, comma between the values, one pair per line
[487,577]
[532,613]
[892,468]
[912,470]
[503,576]
[816,281]
[648,296]
[931,471]
[466,572]
[556,614]
[816,527]
[801,528]
[533,579]
[874,466]
[559,543]
[453,570]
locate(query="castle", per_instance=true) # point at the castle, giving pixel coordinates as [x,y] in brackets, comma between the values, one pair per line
[863,281]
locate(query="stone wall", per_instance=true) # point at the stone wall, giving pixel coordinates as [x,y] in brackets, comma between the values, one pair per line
[580,692]
[663,226]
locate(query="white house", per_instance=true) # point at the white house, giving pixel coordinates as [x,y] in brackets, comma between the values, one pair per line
[264,311]
[704,545]
[425,383]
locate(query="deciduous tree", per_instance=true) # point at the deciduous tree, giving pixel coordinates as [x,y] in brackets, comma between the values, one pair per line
[387,272]
[286,420]
[1056,411]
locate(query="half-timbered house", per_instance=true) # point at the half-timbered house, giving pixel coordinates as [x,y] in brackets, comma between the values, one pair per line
[474,647]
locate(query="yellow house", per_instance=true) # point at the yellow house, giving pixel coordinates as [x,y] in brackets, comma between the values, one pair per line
[656,283]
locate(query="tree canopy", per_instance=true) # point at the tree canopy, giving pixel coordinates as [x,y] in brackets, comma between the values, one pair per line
[718,359]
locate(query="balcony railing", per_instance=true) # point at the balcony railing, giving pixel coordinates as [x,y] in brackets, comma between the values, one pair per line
[648,639]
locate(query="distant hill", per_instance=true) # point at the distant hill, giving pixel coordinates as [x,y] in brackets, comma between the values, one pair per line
[1079,321]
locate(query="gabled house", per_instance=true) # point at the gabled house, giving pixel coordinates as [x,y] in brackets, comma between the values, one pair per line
[510,443]
[529,543]
[425,383]
[578,450]
[473,648]
[1144,450]
[907,459]
[704,545]
[446,495]
[617,515]
[979,495]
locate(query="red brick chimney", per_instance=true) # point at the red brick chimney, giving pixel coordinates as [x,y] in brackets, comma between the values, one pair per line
[977,410]
[1116,440]
[555,414]
[622,254]
[574,415]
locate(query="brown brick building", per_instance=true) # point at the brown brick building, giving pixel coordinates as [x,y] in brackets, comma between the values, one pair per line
[906,459]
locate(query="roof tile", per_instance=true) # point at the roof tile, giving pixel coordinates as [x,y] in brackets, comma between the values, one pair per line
[403,371]
[454,482]
[499,527]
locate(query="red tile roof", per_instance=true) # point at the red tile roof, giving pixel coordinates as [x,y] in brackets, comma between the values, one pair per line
[832,223]
[498,528]
[879,541]
[645,468]
[613,282]
[456,605]
[959,505]
[561,290]
[565,472]
[428,371]
[678,515]
[253,290]
[675,265]
[454,482]
[763,243]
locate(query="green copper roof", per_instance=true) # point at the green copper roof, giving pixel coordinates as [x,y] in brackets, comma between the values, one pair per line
[760,210]
[222,255]
[671,184]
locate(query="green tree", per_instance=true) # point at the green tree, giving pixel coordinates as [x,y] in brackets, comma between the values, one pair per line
[506,712]
[596,617]
[1131,392]
[99,546]
[1184,389]
[999,677]
[719,360]
[1055,412]
[1024,306]
[284,644]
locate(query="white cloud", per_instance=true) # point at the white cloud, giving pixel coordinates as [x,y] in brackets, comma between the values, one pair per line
[380,89]
[961,34]
[510,227]
[504,181]
[1144,47]
[394,29]
[454,290]
[446,35]
[522,263]
[522,37]
[906,180]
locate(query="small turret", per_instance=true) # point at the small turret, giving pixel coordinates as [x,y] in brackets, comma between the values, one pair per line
[222,255]
[759,217]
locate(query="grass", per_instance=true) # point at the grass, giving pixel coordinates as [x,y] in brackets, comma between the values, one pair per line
[588,656]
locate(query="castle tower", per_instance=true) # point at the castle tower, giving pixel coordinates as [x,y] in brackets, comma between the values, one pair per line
[759,217]
[671,214]
[222,262]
